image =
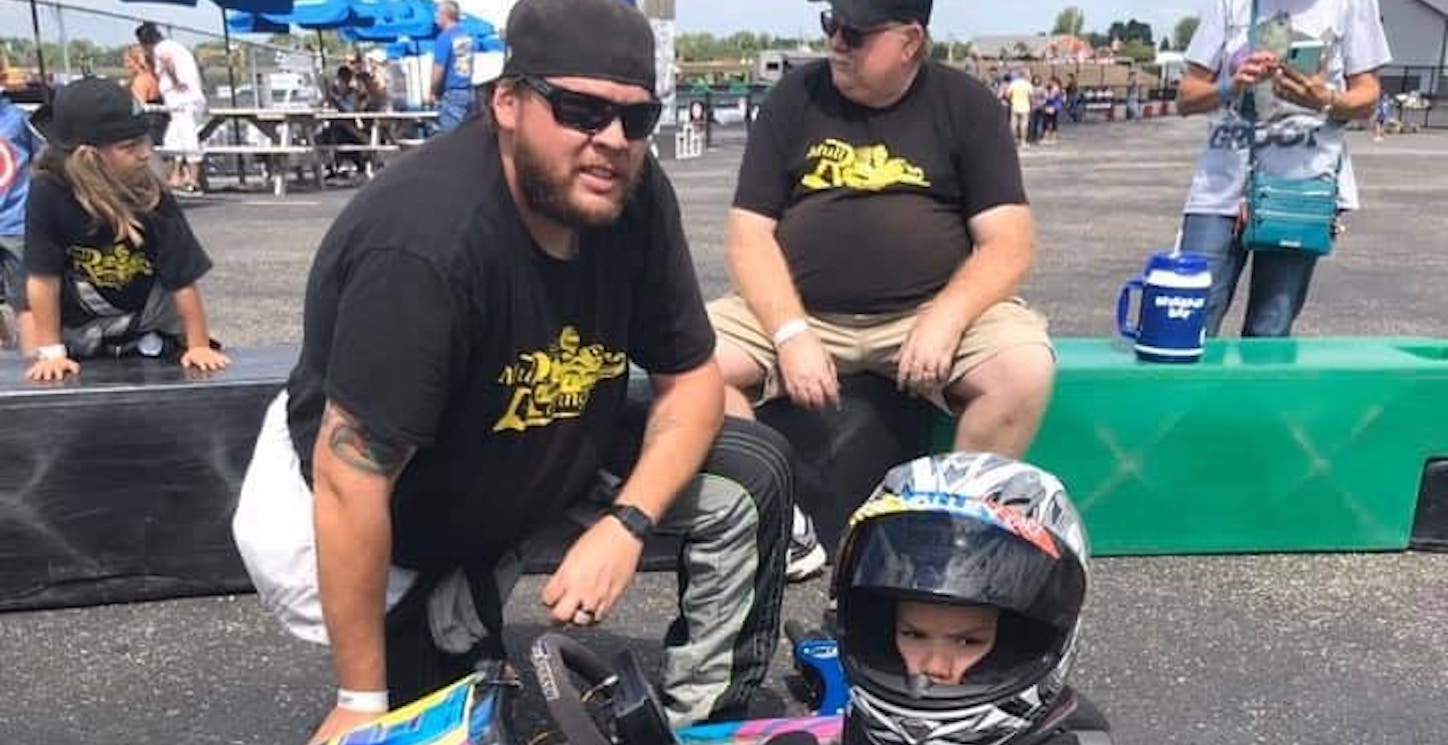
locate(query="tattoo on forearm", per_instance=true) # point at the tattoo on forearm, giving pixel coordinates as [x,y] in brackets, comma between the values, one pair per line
[360,449]
[659,425]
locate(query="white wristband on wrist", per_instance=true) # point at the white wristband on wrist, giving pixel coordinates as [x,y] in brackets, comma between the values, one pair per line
[368,702]
[50,352]
[788,330]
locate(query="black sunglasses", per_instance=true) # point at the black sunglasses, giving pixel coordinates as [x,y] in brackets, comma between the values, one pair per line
[592,114]
[853,36]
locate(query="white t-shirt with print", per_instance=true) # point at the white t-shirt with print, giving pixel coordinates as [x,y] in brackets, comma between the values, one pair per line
[177,74]
[1295,142]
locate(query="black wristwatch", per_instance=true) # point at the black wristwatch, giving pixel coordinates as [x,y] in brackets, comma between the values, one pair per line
[633,519]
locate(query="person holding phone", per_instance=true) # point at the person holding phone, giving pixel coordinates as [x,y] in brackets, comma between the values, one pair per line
[1326,76]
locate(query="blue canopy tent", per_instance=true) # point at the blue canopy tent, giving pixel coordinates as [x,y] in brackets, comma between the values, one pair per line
[242,22]
[392,20]
[315,15]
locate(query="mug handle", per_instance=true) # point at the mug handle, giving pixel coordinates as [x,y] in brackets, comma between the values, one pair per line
[1123,306]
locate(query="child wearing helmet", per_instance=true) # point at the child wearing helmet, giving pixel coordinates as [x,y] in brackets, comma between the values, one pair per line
[959,587]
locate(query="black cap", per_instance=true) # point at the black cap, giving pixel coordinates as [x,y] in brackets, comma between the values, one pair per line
[605,39]
[867,13]
[91,111]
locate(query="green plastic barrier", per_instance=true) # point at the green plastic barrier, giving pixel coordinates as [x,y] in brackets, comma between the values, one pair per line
[1265,445]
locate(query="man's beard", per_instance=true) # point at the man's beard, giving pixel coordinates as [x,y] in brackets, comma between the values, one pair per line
[548,195]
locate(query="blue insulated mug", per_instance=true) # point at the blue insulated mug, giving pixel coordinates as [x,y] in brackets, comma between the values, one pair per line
[1172,315]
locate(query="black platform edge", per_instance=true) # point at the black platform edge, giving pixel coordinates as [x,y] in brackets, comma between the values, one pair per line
[1430,520]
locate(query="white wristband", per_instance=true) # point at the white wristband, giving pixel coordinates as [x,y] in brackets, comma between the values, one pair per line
[368,702]
[50,352]
[788,330]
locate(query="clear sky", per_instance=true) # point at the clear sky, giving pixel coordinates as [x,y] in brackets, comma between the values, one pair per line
[953,19]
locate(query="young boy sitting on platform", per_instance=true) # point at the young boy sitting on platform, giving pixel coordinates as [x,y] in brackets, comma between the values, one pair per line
[111,263]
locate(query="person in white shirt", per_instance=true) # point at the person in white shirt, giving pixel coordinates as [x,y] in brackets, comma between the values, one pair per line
[1300,120]
[184,97]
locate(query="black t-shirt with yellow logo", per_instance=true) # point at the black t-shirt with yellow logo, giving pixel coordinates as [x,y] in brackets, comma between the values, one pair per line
[433,317]
[103,277]
[872,204]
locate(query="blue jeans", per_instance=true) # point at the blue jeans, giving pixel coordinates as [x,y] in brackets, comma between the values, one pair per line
[453,108]
[1279,278]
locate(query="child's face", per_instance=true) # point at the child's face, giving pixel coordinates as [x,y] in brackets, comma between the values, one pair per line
[943,642]
[127,157]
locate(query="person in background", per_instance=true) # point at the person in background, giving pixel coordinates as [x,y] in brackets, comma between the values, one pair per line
[452,69]
[1018,95]
[1380,117]
[1075,103]
[1304,137]
[146,89]
[1038,111]
[1133,97]
[1051,111]
[17,147]
[179,80]
[343,95]
[111,264]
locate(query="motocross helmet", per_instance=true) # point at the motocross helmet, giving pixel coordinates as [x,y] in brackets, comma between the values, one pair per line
[968,529]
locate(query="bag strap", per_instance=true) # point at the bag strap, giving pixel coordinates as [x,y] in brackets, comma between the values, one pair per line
[1251,111]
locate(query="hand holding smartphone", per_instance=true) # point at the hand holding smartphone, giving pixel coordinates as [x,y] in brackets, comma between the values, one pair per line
[1306,56]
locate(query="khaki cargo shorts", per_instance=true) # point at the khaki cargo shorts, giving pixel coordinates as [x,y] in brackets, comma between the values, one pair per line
[871,342]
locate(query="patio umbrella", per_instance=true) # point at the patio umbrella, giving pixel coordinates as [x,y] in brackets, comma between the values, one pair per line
[392,20]
[244,22]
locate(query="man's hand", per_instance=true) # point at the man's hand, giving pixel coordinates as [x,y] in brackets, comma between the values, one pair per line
[808,372]
[52,369]
[204,359]
[594,573]
[339,722]
[929,351]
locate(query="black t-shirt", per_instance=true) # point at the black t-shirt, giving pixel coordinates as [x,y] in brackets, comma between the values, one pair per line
[872,204]
[101,276]
[433,317]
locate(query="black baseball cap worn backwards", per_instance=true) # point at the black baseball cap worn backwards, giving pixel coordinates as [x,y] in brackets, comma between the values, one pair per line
[867,13]
[605,39]
[91,111]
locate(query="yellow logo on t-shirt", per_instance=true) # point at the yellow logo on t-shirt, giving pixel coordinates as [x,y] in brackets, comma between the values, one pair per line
[555,383]
[840,165]
[110,268]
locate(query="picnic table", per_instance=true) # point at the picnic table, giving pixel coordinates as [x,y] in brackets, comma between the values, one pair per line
[292,140]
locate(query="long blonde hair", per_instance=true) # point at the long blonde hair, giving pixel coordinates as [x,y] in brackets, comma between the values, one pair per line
[118,201]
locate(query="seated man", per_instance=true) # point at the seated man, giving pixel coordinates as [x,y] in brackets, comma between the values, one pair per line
[880,225]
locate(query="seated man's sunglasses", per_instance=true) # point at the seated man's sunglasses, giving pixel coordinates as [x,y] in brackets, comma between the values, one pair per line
[853,36]
[591,114]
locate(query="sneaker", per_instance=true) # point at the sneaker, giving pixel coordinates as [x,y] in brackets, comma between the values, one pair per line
[806,555]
